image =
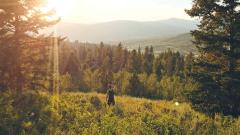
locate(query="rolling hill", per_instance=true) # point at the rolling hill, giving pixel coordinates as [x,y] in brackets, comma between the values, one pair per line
[182,43]
[125,30]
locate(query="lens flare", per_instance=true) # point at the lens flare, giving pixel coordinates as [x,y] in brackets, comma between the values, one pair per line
[62,7]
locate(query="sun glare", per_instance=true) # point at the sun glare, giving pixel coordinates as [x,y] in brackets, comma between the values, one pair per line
[62,7]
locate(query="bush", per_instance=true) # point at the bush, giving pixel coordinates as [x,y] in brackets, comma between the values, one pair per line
[118,110]
[28,113]
[96,102]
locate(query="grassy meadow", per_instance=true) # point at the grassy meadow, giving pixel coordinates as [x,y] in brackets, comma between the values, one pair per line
[87,113]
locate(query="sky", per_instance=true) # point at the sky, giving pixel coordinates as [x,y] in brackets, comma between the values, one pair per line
[95,11]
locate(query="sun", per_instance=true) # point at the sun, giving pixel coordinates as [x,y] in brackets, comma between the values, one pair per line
[62,7]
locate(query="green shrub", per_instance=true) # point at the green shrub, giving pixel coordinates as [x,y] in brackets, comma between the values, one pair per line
[96,102]
[28,113]
[118,110]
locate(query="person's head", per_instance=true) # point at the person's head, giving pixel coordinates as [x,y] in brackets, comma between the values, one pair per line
[109,86]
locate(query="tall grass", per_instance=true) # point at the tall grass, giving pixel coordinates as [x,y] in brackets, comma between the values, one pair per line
[81,113]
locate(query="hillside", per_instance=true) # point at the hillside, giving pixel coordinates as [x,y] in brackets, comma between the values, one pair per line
[124,30]
[137,116]
[80,113]
[182,43]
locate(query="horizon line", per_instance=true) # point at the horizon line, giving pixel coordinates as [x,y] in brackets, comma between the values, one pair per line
[118,20]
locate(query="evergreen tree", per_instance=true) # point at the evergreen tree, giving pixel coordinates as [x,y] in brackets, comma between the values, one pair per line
[106,74]
[73,69]
[19,42]
[64,54]
[134,64]
[121,81]
[152,87]
[135,88]
[92,80]
[158,67]
[148,60]
[217,39]
[89,61]
[117,58]
[188,65]
[179,63]
[170,65]
[140,59]
[125,58]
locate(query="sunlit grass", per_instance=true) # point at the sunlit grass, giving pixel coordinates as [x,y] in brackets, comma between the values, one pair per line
[87,113]
[140,116]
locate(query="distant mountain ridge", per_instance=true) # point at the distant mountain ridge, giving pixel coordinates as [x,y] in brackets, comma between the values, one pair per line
[125,30]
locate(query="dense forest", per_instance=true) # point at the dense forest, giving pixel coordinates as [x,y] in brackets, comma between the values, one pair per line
[86,67]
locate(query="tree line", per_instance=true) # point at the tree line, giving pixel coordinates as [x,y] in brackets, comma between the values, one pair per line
[86,67]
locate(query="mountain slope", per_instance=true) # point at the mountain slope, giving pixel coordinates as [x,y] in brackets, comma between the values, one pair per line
[125,30]
[182,43]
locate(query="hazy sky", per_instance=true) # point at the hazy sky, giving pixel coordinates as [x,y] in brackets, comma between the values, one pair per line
[94,11]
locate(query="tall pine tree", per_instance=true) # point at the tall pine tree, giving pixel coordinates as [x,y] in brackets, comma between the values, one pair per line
[148,60]
[20,23]
[218,41]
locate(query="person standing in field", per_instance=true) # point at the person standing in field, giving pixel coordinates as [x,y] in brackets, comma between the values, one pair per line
[110,95]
